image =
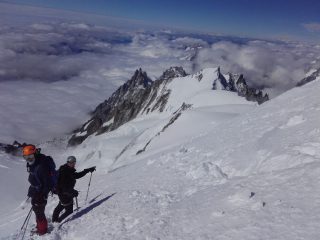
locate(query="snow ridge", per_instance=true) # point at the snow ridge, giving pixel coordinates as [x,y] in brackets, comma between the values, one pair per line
[140,95]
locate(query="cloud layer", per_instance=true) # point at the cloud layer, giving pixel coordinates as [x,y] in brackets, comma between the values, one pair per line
[265,64]
[312,27]
[53,73]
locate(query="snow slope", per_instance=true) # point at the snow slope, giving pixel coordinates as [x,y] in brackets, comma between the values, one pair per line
[220,171]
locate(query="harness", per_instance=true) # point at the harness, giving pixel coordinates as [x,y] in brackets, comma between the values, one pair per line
[67,204]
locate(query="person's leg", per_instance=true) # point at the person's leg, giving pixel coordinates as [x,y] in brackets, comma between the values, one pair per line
[68,211]
[38,206]
[56,212]
[42,224]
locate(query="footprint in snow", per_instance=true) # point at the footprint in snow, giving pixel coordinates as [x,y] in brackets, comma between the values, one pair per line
[311,149]
[293,121]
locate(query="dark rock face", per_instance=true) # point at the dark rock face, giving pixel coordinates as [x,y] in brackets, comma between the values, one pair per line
[251,94]
[237,83]
[14,149]
[135,96]
[308,79]
[222,80]
[141,95]
[172,72]
[159,94]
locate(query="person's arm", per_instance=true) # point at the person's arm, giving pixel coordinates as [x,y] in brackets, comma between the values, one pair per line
[84,172]
[78,175]
[44,179]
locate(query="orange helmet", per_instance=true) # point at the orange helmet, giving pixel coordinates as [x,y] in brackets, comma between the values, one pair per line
[29,149]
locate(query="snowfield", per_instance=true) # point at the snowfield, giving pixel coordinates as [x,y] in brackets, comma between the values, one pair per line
[226,169]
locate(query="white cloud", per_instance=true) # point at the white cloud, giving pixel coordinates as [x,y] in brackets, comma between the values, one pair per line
[276,65]
[44,27]
[190,41]
[53,73]
[312,27]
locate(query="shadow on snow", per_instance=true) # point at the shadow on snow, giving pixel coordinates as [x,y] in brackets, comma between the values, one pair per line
[84,211]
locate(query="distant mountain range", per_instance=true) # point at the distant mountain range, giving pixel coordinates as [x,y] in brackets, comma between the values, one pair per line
[309,78]
[141,95]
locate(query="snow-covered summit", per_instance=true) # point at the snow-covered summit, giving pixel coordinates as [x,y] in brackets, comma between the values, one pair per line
[140,95]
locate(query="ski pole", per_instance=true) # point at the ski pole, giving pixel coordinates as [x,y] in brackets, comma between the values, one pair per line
[25,224]
[77,204]
[26,219]
[88,187]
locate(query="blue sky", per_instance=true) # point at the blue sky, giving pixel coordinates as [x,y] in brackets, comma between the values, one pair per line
[256,18]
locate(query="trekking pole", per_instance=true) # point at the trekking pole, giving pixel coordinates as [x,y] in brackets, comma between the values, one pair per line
[25,224]
[29,213]
[88,187]
[77,204]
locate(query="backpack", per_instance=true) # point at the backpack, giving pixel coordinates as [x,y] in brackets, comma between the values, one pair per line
[53,174]
[46,164]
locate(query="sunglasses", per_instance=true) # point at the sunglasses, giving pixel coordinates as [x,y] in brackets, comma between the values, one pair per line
[29,158]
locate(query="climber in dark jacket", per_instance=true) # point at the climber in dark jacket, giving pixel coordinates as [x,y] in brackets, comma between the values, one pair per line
[39,179]
[65,188]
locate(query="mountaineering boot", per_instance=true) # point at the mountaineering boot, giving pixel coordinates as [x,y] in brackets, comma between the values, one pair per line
[42,226]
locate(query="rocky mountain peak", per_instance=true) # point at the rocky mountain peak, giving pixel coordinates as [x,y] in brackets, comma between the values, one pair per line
[221,82]
[141,95]
[123,105]
[250,93]
[139,78]
[241,85]
[313,76]
[173,72]
[237,83]
[14,149]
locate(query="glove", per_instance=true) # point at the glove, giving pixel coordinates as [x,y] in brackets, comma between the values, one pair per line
[32,191]
[90,169]
[75,193]
[25,203]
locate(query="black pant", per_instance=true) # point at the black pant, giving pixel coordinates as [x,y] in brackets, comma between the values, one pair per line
[66,203]
[38,206]
[39,212]
[58,210]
